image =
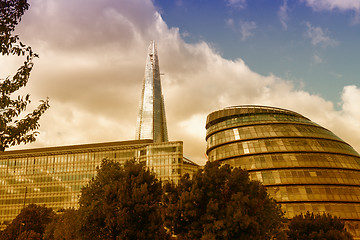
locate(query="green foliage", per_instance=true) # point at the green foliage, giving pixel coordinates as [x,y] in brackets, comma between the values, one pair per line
[65,226]
[221,203]
[122,202]
[317,227]
[13,130]
[29,224]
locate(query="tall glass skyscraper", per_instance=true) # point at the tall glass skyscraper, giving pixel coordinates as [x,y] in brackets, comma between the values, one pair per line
[54,176]
[304,166]
[151,122]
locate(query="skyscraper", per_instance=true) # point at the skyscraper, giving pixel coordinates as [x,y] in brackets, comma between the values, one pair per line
[151,122]
[304,166]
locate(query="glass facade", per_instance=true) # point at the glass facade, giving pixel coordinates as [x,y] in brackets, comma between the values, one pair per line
[151,122]
[304,166]
[54,176]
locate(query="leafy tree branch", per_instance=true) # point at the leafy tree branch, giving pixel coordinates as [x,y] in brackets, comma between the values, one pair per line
[13,130]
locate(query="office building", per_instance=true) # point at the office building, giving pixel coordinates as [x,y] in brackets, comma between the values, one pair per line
[304,166]
[54,176]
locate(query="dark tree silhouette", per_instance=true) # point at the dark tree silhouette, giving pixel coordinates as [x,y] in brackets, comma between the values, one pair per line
[65,226]
[221,203]
[315,226]
[122,202]
[30,222]
[29,235]
[15,130]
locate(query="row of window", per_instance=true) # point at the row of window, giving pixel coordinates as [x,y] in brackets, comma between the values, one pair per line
[279,145]
[74,168]
[64,169]
[37,200]
[268,131]
[315,193]
[60,169]
[46,178]
[36,189]
[153,161]
[342,210]
[56,159]
[256,119]
[286,160]
[89,157]
[307,176]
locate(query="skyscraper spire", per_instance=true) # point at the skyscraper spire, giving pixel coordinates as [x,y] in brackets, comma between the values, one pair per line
[151,121]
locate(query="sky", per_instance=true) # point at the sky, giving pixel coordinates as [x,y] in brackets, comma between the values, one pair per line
[302,55]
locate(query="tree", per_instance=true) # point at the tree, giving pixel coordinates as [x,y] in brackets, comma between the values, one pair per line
[122,202]
[29,235]
[317,227]
[29,224]
[221,203]
[65,226]
[15,130]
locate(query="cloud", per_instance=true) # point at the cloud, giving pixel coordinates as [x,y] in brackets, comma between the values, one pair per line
[331,5]
[238,4]
[347,121]
[246,29]
[319,37]
[179,3]
[283,14]
[350,99]
[185,34]
[92,59]
[317,59]
[230,22]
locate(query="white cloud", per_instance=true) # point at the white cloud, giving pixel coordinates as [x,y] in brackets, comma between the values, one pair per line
[318,36]
[350,103]
[346,123]
[246,29]
[331,5]
[283,14]
[92,59]
[239,4]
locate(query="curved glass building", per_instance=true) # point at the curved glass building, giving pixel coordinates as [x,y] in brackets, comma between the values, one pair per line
[304,166]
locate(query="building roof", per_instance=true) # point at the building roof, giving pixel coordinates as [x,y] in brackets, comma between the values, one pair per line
[225,113]
[81,147]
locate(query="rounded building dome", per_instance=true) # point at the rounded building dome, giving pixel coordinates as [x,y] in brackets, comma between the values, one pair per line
[304,166]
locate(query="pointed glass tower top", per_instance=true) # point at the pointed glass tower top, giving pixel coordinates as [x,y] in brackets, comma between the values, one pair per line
[151,121]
